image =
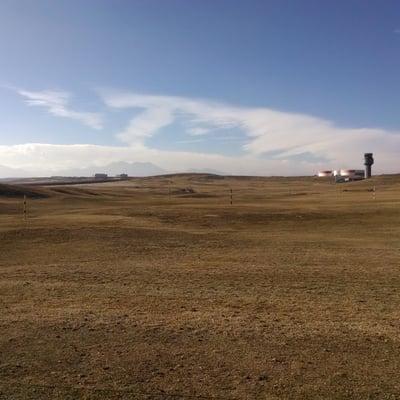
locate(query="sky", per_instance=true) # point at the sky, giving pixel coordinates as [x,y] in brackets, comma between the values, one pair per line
[253,87]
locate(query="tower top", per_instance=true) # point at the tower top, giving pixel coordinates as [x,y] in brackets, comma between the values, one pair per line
[368,159]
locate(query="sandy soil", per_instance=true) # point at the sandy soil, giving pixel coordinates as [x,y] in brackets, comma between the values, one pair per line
[159,288]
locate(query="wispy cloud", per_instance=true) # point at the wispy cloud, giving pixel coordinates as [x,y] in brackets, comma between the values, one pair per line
[268,133]
[146,124]
[57,103]
[198,131]
[273,142]
[201,117]
[47,159]
[189,141]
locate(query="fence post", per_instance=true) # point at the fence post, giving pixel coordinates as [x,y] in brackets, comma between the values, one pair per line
[24,208]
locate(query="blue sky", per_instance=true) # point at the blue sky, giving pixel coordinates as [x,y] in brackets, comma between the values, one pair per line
[263,87]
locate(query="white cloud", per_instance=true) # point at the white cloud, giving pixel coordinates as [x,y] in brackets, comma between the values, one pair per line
[281,135]
[146,124]
[273,142]
[198,131]
[199,140]
[57,104]
[47,159]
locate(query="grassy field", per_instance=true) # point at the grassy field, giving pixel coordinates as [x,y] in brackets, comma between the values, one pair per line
[159,288]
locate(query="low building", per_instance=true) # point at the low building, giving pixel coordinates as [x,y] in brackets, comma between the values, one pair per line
[100,176]
[122,176]
[322,174]
[348,175]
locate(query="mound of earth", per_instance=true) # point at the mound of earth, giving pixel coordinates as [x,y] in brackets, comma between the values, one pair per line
[186,190]
[21,191]
[198,195]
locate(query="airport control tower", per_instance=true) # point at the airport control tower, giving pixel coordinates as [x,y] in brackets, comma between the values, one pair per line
[368,162]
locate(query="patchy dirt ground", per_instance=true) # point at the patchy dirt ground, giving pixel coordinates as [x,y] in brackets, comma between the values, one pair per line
[158,288]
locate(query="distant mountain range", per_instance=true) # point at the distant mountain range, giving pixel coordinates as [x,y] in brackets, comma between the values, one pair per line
[138,169]
[117,168]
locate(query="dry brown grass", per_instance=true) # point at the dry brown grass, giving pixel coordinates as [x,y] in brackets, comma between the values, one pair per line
[122,291]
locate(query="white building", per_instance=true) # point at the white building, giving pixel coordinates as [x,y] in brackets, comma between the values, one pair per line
[322,174]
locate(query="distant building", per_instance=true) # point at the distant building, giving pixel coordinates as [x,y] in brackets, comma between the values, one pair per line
[322,174]
[344,175]
[348,175]
[100,176]
[368,162]
[122,176]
